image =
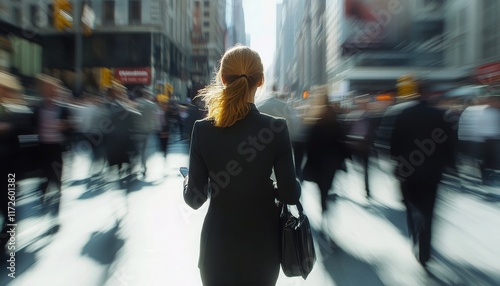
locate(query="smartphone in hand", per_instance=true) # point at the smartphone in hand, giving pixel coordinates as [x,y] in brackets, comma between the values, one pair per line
[184,171]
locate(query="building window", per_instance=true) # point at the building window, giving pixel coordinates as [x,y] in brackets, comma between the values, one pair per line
[34,17]
[134,11]
[206,3]
[206,35]
[206,24]
[197,4]
[206,14]
[108,12]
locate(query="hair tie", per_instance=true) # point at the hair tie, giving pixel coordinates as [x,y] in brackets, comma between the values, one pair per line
[243,75]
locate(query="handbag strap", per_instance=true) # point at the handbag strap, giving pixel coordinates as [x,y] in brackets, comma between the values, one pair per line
[298,206]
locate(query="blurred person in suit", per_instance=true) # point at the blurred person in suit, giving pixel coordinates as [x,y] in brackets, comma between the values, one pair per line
[240,239]
[326,144]
[361,136]
[422,143]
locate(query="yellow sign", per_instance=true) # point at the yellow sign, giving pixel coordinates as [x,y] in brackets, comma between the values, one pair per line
[106,77]
[62,15]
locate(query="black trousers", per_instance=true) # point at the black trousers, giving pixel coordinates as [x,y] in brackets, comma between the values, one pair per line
[364,159]
[419,199]
[163,144]
[52,164]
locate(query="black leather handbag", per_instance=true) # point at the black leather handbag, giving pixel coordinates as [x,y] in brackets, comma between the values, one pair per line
[297,246]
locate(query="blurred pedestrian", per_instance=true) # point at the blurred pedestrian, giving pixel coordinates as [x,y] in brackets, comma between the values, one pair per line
[479,132]
[53,124]
[145,125]
[299,141]
[240,242]
[422,145]
[361,136]
[174,115]
[183,115]
[326,145]
[15,120]
[163,132]
[275,105]
[196,111]
[118,140]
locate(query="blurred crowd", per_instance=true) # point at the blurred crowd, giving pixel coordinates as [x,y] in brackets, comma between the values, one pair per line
[366,127]
[112,128]
[40,133]
[418,137]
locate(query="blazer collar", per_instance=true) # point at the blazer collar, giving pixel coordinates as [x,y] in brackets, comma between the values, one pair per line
[253,107]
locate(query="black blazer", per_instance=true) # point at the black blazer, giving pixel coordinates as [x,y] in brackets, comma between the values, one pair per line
[232,166]
[423,144]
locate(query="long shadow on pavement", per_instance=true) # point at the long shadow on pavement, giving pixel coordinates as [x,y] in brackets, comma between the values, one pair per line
[136,185]
[396,217]
[448,272]
[344,269]
[103,246]
[96,188]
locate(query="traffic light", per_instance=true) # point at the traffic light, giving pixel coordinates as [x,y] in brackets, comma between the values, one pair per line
[62,15]
[106,77]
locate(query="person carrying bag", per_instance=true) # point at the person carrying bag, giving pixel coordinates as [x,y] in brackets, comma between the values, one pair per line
[298,254]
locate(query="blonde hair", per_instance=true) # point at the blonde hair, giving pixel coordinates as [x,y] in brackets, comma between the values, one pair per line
[228,95]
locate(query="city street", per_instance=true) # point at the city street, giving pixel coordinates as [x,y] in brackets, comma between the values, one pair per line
[147,235]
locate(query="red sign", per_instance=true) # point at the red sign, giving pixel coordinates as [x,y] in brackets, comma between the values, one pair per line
[133,75]
[488,74]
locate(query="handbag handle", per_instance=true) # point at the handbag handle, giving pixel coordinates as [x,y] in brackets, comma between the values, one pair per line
[298,205]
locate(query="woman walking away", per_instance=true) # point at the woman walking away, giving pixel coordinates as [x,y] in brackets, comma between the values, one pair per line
[233,152]
[326,149]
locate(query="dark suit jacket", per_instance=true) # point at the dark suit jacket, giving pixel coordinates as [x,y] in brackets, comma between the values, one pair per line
[326,152]
[240,236]
[422,142]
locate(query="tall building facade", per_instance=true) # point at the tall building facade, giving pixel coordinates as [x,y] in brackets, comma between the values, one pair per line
[208,39]
[378,43]
[236,32]
[20,40]
[144,42]
[368,45]
[291,70]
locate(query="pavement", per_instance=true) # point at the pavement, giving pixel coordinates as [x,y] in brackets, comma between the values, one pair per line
[146,235]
